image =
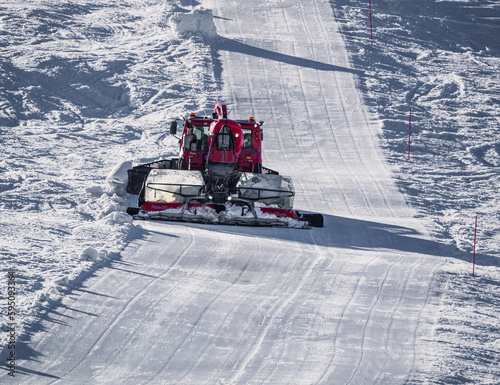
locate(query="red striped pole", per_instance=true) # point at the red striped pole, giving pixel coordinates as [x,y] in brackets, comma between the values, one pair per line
[409,137]
[371,29]
[474,253]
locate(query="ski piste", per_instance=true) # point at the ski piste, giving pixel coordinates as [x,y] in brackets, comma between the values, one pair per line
[365,299]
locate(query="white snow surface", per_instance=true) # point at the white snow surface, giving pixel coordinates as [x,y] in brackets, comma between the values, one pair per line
[85,88]
[382,294]
[441,59]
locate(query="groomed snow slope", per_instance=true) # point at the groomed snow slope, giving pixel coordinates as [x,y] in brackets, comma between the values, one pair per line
[212,304]
[441,59]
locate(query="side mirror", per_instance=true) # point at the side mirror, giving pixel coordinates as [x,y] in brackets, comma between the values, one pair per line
[173,128]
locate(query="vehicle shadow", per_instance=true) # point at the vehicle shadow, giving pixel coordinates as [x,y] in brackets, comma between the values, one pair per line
[356,234]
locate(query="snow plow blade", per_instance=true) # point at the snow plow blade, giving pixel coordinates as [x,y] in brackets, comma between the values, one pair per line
[207,214]
[251,200]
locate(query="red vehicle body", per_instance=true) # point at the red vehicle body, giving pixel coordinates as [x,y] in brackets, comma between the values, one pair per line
[219,141]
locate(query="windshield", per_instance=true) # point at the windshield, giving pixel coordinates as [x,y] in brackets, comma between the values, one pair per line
[247,138]
[201,132]
[224,139]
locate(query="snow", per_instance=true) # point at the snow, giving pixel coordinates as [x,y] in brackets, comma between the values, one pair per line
[198,21]
[382,294]
[118,179]
[88,254]
[80,98]
[441,59]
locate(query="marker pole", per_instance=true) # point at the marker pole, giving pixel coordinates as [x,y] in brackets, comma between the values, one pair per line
[474,253]
[371,29]
[409,136]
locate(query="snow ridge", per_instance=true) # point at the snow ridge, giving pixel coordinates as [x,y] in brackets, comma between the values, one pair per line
[77,98]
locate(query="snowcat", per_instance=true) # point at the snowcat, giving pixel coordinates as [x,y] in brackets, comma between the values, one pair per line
[217,178]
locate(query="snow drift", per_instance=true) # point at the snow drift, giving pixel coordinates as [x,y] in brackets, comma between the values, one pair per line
[198,22]
[85,88]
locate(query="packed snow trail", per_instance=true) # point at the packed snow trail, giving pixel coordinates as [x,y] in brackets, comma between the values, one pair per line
[190,304]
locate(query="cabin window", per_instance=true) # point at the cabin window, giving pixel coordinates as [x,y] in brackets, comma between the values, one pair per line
[224,139]
[247,138]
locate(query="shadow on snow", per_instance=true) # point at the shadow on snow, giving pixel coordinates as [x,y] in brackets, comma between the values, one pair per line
[231,45]
[348,233]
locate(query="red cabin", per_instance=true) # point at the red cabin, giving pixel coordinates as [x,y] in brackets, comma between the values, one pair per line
[250,159]
[194,143]
[220,143]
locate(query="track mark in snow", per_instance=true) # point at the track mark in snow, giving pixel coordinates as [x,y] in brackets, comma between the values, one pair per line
[267,322]
[224,321]
[368,318]
[156,303]
[342,319]
[199,318]
[431,278]
[127,308]
[394,310]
